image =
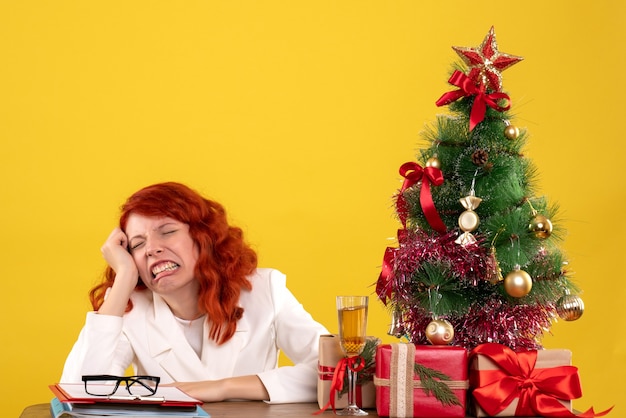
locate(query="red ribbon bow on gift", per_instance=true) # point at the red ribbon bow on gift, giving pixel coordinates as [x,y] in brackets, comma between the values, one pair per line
[413,173]
[356,364]
[538,390]
[468,88]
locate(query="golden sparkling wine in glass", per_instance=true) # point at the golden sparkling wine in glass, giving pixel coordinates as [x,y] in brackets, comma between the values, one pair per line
[352,324]
[352,313]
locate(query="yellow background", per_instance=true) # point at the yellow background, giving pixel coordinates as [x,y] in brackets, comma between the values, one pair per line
[296,115]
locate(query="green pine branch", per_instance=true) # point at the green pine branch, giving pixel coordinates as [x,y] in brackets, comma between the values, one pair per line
[436,289]
[438,388]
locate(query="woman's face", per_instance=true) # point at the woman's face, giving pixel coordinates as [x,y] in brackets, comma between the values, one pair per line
[164,252]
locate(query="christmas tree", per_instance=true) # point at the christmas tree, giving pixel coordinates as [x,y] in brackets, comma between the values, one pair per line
[477,257]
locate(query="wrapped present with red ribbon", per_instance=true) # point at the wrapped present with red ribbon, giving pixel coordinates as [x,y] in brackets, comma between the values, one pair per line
[530,383]
[331,375]
[420,381]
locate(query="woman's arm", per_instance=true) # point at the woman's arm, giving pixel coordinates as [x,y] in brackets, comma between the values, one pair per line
[241,387]
[297,336]
[115,252]
[101,348]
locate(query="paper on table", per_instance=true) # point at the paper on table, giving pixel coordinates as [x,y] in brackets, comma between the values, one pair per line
[169,393]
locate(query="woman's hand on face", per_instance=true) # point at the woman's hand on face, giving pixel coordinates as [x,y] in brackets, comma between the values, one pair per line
[116,254]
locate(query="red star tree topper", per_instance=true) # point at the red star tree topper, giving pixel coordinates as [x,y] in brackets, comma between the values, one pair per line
[486,62]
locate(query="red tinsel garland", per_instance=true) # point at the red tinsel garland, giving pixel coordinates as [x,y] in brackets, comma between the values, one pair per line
[493,320]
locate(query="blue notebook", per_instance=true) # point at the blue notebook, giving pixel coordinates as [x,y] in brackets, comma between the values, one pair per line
[60,409]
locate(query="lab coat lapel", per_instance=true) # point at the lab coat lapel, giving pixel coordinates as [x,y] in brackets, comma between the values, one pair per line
[169,346]
[219,361]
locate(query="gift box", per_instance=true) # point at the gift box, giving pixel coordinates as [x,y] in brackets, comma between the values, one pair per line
[330,354]
[420,381]
[531,383]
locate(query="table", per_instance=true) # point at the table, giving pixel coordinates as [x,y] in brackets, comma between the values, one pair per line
[243,409]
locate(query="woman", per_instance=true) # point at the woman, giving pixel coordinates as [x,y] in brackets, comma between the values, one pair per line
[183,299]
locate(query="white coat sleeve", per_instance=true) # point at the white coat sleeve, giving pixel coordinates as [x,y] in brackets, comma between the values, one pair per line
[101,348]
[297,335]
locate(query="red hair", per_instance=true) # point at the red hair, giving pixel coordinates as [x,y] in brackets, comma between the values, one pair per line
[224,260]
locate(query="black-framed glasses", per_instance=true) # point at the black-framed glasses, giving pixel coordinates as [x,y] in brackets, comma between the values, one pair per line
[107,385]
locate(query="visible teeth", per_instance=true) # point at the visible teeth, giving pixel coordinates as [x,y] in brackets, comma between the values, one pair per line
[168,266]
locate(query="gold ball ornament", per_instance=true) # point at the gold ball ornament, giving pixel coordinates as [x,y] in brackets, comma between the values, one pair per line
[439,332]
[540,226]
[511,132]
[518,283]
[433,162]
[570,307]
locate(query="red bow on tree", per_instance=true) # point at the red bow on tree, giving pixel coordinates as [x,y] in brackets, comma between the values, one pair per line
[467,87]
[414,173]
[383,284]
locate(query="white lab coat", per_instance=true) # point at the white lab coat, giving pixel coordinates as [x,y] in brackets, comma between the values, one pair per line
[150,338]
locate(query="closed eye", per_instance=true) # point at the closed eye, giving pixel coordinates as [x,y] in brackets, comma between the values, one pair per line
[136,245]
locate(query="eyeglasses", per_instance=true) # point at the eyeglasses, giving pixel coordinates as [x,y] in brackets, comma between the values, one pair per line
[138,386]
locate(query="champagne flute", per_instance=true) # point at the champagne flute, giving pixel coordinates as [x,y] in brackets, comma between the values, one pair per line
[352,312]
